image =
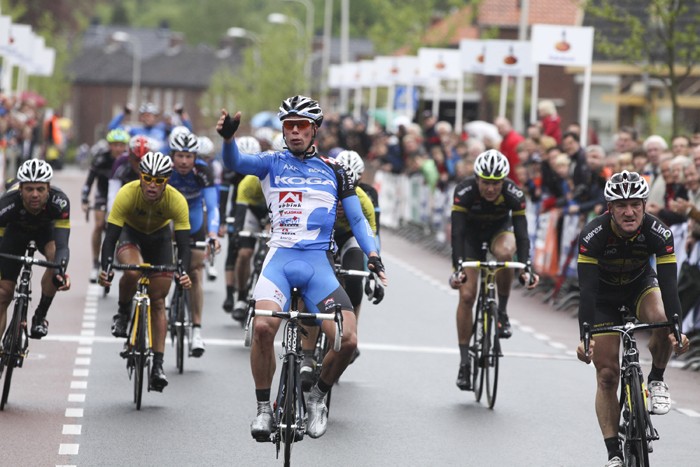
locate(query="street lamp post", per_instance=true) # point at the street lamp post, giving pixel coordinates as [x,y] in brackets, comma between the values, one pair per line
[241,33]
[309,38]
[121,36]
[279,18]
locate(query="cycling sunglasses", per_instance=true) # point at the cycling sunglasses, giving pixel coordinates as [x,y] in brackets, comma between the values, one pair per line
[150,179]
[301,124]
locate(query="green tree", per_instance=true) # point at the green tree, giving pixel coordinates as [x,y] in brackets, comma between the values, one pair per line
[660,36]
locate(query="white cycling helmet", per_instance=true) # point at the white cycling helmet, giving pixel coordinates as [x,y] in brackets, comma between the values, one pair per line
[278,143]
[148,108]
[248,145]
[491,165]
[301,106]
[156,164]
[353,161]
[265,134]
[184,142]
[206,146]
[35,171]
[626,185]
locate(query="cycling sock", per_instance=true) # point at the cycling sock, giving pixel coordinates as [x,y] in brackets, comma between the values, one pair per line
[502,303]
[613,447]
[655,374]
[96,263]
[262,395]
[230,290]
[323,386]
[124,308]
[158,358]
[195,326]
[243,294]
[464,354]
[43,307]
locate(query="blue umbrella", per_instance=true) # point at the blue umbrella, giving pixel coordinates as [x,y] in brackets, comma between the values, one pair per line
[266,119]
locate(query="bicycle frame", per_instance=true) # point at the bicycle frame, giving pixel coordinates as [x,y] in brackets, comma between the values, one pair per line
[636,424]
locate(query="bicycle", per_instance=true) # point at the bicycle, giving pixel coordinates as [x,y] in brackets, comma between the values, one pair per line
[635,421]
[15,341]
[138,348]
[289,410]
[485,348]
[258,260]
[179,316]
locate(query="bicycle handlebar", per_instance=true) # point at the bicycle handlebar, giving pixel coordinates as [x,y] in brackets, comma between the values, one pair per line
[30,260]
[629,329]
[146,267]
[493,264]
[336,316]
[247,233]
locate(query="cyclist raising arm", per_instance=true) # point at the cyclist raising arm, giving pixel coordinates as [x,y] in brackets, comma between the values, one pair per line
[487,208]
[614,271]
[194,179]
[302,190]
[140,221]
[37,211]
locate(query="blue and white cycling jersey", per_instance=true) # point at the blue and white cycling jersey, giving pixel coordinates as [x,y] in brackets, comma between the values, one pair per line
[302,197]
[199,190]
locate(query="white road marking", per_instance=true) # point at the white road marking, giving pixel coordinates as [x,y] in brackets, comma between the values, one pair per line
[689,412]
[68,449]
[82,361]
[72,429]
[76,397]
[81,372]
[74,412]
[78,384]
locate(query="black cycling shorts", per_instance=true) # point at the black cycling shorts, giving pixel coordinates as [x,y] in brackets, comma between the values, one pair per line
[15,242]
[612,297]
[475,237]
[156,248]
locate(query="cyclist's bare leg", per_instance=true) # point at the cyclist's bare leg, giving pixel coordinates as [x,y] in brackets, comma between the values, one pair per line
[157,291]
[47,287]
[335,363]
[607,364]
[467,296]
[243,267]
[196,292]
[7,289]
[99,217]
[127,284]
[651,310]
[503,248]
[262,351]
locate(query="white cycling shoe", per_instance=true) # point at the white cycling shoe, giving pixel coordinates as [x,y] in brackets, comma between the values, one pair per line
[659,398]
[317,421]
[615,462]
[197,345]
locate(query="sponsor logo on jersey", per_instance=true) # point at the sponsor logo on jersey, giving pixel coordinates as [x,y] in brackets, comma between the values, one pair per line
[592,233]
[669,248]
[329,303]
[7,208]
[290,199]
[293,221]
[60,202]
[512,188]
[283,180]
[610,251]
[291,167]
[315,170]
[659,228]
[582,249]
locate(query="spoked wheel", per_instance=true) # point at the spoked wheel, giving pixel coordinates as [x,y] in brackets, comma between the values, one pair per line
[636,442]
[11,350]
[289,412]
[179,304]
[478,347]
[140,355]
[491,356]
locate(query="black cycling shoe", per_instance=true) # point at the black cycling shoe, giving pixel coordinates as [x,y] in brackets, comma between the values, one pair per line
[464,378]
[40,327]
[228,304]
[504,329]
[158,379]
[120,322]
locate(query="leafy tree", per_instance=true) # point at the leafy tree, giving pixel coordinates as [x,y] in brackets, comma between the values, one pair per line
[658,35]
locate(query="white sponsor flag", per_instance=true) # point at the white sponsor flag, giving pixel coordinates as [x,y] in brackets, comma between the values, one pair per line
[5,22]
[511,58]
[473,55]
[335,76]
[562,45]
[22,43]
[439,63]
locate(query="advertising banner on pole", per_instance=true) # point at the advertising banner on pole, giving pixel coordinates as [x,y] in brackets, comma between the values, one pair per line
[511,58]
[473,55]
[562,45]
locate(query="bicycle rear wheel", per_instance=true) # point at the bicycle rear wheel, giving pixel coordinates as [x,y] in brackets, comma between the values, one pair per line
[11,350]
[289,415]
[491,355]
[478,348]
[179,310]
[140,352]
[636,445]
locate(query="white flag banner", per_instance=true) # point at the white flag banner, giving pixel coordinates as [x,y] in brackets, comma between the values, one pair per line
[349,75]
[562,45]
[367,74]
[335,77]
[385,69]
[47,62]
[22,43]
[473,55]
[407,71]
[439,63]
[38,47]
[5,22]
[509,58]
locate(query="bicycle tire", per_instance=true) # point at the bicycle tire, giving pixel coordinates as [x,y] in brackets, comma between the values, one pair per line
[477,346]
[14,339]
[289,414]
[636,443]
[179,305]
[140,354]
[491,352]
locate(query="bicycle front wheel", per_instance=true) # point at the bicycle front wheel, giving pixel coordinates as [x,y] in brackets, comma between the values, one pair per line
[140,354]
[179,310]
[11,350]
[289,415]
[491,355]
[478,348]
[636,443]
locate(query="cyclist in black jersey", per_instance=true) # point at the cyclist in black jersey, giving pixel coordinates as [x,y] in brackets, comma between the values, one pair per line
[34,210]
[101,170]
[614,270]
[486,208]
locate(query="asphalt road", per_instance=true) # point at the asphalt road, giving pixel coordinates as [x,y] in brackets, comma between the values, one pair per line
[397,404]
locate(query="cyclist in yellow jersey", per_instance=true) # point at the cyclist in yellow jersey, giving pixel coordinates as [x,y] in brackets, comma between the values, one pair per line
[140,222]
[251,215]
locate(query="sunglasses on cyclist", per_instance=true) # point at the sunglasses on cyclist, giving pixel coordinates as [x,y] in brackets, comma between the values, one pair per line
[156,180]
[301,124]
